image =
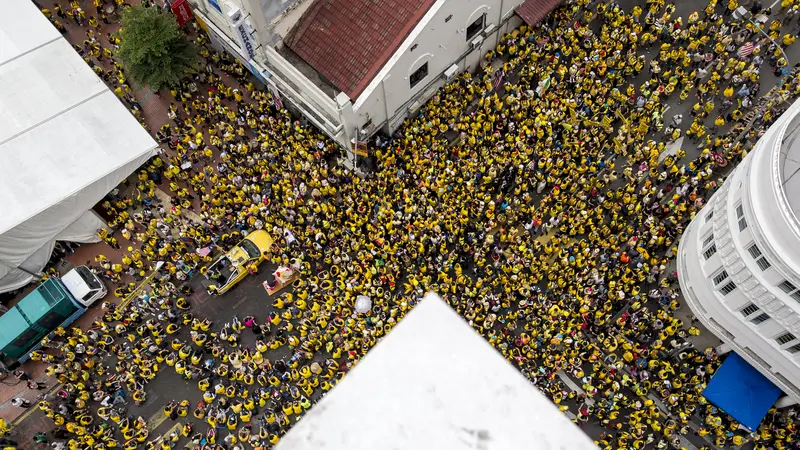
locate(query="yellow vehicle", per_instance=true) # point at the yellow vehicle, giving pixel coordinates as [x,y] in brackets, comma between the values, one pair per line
[233,266]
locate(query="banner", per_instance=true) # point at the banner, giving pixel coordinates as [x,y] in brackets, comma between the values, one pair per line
[246,41]
[182,11]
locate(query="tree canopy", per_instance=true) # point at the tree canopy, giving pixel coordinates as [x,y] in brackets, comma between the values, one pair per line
[153,49]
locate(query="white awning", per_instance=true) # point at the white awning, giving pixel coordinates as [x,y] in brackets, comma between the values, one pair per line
[66,140]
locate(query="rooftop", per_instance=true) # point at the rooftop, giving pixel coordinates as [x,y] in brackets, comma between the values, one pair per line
[434,383]
[532,11]
[790,160]
[349,41]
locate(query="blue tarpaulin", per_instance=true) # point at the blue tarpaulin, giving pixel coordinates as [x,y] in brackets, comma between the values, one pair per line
[741,391]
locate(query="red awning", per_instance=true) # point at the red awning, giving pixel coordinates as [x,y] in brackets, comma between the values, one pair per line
[532,11]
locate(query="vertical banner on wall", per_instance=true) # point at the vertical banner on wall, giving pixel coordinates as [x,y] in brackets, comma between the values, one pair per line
[246,41]
[182,11]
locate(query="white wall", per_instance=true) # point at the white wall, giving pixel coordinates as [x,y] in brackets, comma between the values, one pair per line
[440,42]
[772,226]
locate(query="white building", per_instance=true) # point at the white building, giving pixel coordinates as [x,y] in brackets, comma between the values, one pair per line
[739,259]
[66,140]
[359,66]
[434,383]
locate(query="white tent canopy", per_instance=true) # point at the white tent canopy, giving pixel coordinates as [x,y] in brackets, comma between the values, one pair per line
[434,383]
[65,142]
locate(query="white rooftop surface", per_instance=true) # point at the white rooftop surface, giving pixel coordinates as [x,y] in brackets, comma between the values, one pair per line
[65,138]
[434,383]
[790,161]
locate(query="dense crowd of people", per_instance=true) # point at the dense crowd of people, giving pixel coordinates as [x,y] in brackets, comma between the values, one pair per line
[544,212]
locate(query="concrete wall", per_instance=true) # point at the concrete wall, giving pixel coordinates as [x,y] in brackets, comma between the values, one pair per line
[440,39]
[772,226]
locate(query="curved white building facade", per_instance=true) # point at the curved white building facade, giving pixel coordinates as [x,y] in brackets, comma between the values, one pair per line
[739,259]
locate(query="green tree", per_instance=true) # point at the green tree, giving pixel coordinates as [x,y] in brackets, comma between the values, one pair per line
[153,50]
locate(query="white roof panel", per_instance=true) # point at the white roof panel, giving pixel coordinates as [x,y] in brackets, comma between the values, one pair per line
[40,85]
[66,140]
[53,162]
[434,383]
[22,29]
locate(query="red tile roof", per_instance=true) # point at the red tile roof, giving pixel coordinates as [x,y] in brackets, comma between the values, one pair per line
[532,11]
[349,41]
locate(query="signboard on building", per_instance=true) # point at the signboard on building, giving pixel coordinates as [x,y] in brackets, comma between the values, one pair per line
[246,41]
[182,11]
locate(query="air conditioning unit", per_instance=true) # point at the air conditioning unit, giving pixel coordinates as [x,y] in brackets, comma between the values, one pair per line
[489,29]
[450,73]
[476,42]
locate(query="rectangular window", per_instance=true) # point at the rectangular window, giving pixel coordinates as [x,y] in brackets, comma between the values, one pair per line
[476,27]
[710,252]
[720,277]
[707,241]
[759,319]
[419,74]
[785,338]
[761,260]
[794,349]
[742,224]
[749,309]
[710,215]
[787,287]
[728,288]
[739,211]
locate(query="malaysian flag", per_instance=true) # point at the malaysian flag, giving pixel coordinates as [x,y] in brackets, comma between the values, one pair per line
[745,50]
[497,78]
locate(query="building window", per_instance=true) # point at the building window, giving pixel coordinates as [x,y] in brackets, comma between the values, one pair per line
[720,277]
[790,289]
[749,309]
[787,287]
[761,260]
[709,252]
[710,215]
[785,338]
[728,288]
[740,216]
[419,74]
[759,319]
[476,27]
[794,349]
[708,240]
[447,19]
